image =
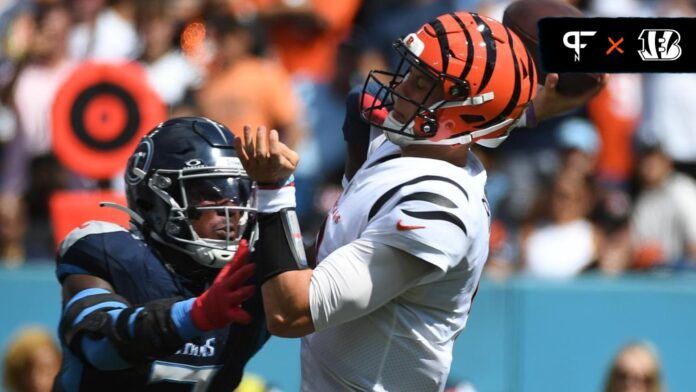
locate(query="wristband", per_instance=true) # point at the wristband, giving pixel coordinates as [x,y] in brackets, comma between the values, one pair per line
[279,248]
[530,120]
[273,199]
[181,316]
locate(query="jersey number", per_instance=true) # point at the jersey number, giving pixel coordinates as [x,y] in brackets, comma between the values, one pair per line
[197,376]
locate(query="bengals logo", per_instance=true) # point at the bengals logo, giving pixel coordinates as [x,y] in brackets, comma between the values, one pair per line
[660,45]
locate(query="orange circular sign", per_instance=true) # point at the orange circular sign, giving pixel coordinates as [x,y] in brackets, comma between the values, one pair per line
[99,115]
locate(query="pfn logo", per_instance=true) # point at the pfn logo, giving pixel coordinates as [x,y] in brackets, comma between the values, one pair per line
[659,45]
[575,43]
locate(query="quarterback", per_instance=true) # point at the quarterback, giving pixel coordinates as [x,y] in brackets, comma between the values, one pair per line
[401,252]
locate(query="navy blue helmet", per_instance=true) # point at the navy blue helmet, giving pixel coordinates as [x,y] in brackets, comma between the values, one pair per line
[184,168]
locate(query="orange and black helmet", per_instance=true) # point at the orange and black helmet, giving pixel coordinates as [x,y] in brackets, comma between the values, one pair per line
[486,74]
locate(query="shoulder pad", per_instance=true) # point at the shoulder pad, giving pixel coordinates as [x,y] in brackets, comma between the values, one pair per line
[87,228]
[89,248]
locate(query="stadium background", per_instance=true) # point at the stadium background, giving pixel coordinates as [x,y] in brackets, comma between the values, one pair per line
[593,242]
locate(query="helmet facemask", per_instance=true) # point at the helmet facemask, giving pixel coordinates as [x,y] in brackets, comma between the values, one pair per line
[211,210]
[422,123]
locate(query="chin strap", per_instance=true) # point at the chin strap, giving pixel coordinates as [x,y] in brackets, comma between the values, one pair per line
[475,136]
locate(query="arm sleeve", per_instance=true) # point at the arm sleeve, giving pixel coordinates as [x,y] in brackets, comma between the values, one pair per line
[104,347]
[360,277]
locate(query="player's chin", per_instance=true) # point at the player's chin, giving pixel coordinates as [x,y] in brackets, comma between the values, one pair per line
[223,234]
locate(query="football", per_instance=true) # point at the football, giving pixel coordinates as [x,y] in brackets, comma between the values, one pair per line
[522,17]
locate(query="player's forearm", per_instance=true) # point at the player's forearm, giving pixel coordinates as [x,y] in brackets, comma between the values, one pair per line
[109,333]
[286,303]
[282,265]
[550,103]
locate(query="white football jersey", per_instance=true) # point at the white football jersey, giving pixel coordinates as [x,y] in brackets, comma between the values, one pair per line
[428,208]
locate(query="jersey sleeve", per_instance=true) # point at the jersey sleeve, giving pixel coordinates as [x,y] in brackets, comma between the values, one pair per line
[86,250]
[429,224]
[358,278]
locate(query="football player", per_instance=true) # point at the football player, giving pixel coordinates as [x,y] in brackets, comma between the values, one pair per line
[402,250]
[164,305]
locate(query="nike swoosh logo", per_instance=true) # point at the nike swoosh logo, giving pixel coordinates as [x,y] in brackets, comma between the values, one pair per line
[402,227]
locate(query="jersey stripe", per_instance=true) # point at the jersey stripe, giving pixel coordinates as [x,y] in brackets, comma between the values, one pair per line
[388,195]
[382,160]
[76,310]
[428,197]
[438,215]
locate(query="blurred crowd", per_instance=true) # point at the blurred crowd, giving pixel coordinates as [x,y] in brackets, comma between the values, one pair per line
[608,188]
[33,358]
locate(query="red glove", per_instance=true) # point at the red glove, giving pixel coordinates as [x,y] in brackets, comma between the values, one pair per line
[220,305]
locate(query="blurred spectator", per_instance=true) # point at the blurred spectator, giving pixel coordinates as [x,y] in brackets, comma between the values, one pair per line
[579,144]
[616,112]
[663,223]
[611,215]
[254,383]
[104,32]
[636,368]
[527,159]
[169,72]
[31,362]
[17,28]
[48,65]
[671,102]
[304,34]
[37,82]
[242,88]
[563,242]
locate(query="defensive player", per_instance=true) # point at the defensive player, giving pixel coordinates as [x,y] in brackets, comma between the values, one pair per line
[402,250]
[143,309]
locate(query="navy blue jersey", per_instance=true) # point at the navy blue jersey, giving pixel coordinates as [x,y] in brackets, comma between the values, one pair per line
[212,362]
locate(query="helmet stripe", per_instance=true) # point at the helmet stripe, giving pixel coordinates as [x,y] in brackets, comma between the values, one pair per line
[469,47]
[532,75]
[491,50]
[442,40]
[512,103]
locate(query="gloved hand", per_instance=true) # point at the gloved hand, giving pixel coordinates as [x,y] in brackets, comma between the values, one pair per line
[220,305]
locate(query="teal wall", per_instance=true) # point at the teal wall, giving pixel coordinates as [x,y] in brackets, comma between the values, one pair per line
[523,335]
